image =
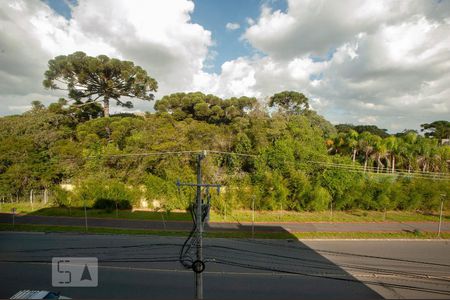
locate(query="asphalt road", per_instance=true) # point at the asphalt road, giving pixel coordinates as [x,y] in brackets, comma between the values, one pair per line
[147,267]
[230,226]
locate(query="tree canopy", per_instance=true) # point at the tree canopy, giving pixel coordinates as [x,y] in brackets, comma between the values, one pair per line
[99,79]
[300,163]
[373,129]
[209,108]
[289,102]
[437,129]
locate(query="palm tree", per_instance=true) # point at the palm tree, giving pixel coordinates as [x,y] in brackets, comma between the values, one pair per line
[365,143]
[408,148]
[336,144]
[379,151]
[392,146]
[425,147]
[352,143]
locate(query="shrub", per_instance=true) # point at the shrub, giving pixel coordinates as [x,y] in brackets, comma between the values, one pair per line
[96,191]
[61,197]
[320,199]
[166,192]
[106,204]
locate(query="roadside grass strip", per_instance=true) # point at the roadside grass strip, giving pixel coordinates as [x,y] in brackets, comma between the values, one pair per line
[214,234]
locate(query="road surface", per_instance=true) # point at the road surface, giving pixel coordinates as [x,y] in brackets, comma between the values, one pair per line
[147,267]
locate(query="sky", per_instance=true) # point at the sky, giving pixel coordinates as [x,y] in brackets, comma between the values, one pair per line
[384,62]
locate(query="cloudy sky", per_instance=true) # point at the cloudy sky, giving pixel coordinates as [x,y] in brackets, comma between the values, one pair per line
[363,62]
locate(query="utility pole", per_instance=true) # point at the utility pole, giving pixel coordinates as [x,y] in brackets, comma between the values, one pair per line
[199,275]
[198,266]
[440,215]
[331,211]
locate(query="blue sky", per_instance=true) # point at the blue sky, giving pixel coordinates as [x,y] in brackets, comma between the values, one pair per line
[61,6]
[213,15]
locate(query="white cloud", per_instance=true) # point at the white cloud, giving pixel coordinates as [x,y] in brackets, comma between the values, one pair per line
[368,120]
[383,61]
[159,36]
[232,26]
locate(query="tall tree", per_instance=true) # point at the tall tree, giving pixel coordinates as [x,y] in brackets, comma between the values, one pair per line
[365,142]
[289,102]
[352,142]
[392,147]
[437,129]
[99,79]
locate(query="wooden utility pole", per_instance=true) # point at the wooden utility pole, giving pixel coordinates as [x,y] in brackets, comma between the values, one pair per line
[198,266]
[199,275]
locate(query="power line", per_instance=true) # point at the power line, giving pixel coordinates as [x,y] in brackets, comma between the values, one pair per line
[232,153]
[415,174]
[278,270]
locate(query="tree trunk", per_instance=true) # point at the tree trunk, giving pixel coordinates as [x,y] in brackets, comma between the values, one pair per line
[379,163]
[354,155]
[393,163]
[106,107]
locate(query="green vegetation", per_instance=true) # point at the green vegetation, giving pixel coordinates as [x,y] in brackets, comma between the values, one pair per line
[121,214]
[234,216]
[258,235]
[300,161]
[22,207]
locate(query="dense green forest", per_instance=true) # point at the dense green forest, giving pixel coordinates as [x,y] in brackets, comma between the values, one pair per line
[300,162]
[295,159]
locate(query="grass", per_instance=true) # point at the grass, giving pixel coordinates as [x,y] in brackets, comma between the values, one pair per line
[237,215]
[259,235]
[22,207]
[325,216]
[121,214]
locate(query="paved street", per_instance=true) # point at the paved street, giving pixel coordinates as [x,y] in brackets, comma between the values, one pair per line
[147,267]
[222,226]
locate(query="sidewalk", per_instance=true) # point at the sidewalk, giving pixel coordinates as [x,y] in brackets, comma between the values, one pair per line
[220,226]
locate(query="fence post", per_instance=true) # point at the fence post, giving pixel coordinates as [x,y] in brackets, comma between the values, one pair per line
[440,215]
[13,217]
[253,217]
[31,199]
[331,210]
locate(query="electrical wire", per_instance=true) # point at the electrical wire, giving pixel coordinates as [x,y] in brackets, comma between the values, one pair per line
[347,254]
[185,258]
[157,260]
[278,270]
[230,153]
[350,168]
[324,264]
